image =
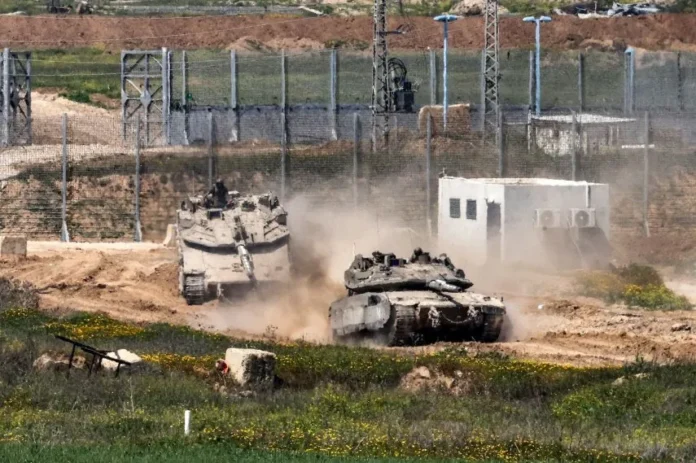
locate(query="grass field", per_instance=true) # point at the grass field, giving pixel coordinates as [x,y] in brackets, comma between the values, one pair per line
[332,402]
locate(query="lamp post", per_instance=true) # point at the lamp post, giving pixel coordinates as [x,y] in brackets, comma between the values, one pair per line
[537,71]
[445,19]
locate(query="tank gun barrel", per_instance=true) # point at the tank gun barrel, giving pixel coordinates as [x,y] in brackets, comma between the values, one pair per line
[247,263]
[441,285]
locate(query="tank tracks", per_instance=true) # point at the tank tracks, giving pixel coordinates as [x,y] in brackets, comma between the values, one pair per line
[194,289]
[401,326]
[492,326]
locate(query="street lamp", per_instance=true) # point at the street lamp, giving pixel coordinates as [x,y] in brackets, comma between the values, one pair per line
[445,19]
[537,71]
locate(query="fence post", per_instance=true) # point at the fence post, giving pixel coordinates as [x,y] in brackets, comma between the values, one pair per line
[482,110]
[646,171]
[234,103]
[333,88]
[680,83]
[629,80]
[532,80]
[433,78]
[211,135]
[184,94]
[64,234]
[581,81]
[283,125]
[356,156]
[166,94]
[428,167]
[138,228]
[6,97]
[573,147]
[28,92]
[501,145]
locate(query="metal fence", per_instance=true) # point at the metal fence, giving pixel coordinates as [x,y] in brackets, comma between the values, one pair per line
[87,177]
[80,181]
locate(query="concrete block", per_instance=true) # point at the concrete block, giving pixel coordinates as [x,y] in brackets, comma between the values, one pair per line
[251,367]
[13,246]
[170,237]
[121,354]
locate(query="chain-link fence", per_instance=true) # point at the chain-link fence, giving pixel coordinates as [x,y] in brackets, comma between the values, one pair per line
[84,178]
[75,184]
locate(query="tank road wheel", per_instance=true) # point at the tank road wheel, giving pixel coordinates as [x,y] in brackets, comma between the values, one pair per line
[194,289]
[401,326]
[491,328]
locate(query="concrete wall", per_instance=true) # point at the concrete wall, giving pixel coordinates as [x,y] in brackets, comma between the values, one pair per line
[305,124]
[461,236]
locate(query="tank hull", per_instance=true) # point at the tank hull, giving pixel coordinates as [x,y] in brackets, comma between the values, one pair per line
[219,272]
[415,317]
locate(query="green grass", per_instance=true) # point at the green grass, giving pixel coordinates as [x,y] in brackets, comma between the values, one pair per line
[173,452]
[333,402]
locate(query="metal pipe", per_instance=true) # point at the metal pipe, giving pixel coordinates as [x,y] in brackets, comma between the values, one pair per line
[6,96]
[537,39]
[444,82]
[138,229]
[356,156]
[433,82]
[333,88]
[445,19]
[537,65]
[428,156]
[234,97]
[64,235]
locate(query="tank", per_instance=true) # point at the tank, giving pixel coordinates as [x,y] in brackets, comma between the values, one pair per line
[395,302]
[225,251]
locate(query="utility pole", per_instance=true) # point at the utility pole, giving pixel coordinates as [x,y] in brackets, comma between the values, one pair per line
[490,67]
[382,95]
[537,60]
[445,19]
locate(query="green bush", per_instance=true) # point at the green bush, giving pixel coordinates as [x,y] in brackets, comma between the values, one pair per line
[634,285]
[654,297]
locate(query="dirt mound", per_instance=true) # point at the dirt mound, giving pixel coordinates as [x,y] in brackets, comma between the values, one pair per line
[665,31]
[136,284]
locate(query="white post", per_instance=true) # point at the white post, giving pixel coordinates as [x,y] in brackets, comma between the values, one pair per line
[187,422]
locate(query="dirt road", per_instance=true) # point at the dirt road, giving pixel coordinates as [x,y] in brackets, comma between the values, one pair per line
[657,32]
[138,282]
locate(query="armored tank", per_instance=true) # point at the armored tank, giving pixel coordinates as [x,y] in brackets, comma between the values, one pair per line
[238,244]
[396,302]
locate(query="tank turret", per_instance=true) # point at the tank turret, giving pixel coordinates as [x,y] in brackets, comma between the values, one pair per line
[241,244]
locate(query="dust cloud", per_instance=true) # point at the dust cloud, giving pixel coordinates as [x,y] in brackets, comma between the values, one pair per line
[323,243]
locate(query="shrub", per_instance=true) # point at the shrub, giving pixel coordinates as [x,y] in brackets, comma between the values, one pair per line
[655,297]
[640,275]
[14,294]
[635,285]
